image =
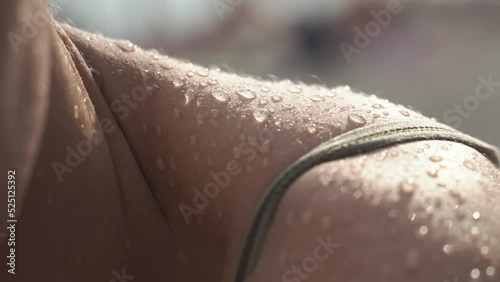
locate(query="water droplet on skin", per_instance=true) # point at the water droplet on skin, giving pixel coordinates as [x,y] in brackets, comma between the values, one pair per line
[221,95]
[408,187]
[485,250]
[490,271]
[316,98]
[190,74]
[260,115]
[385,113]
[277,98]
[159,163]
[171,163]
[288,106]
[296,89]
[475,273]
[214,113]
[412,260]
[190,95]
[166,66]
[470,165]
[423,231]
[288,125]
[312,129]
[447,249]
[200,120]
[196,157]
[126,46]
[192,140]
[75,112]
[246,94]
[178,83]
[356,120]
[433,173]
[435,159]
[202,73]
[404,113]
[377,106]
[476,215]
[158,130]
[412,216]
[264,88]
[182,258]
[263,102]
[213,81]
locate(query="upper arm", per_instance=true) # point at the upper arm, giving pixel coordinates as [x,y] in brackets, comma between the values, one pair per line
[423,211]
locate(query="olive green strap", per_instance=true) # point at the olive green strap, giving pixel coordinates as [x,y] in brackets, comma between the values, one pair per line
[358,141]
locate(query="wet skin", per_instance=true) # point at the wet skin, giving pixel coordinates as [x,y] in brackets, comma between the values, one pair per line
[169,190]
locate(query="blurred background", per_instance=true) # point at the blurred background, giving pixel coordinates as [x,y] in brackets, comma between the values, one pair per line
[429,56]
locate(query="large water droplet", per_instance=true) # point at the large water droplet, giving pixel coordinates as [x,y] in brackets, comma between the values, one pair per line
[490,271]
[316,98]
[435,159]
[312,129]
[202,73]
[288,106]
[295,89]
[433,173]
[423,231]
[377,106]
[246,94]
[178,82]
[470,165]
[475,273]
[126,46]
[447,249]
[190,95]
[277,98]
[408,186]
[476,215]
[260,115]
[221,95]
[264,88]
[213,81]
[356,120]
[404,113]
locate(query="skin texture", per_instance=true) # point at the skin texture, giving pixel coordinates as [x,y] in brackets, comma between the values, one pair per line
[134,201]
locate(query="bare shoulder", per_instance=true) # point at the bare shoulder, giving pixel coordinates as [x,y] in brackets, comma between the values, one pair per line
[424,211]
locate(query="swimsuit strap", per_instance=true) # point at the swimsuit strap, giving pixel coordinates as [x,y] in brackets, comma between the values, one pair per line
[358,141]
